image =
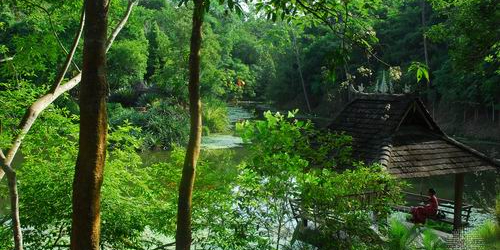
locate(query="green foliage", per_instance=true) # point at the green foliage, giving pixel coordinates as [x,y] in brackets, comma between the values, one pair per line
[497,209]
[14,98]
[473,49]
[128,56]
[406,237]
[400,236]
[283,165]
[5,235]
[488,234]
[431,241]
[130,197]
[162,124]
[215,116]
[420,70]
[441,226]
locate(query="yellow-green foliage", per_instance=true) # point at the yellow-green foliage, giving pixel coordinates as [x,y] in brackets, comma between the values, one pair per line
[489,232]
[215,118]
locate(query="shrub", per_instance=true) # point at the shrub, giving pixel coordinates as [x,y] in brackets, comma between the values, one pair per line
[282,165]
[46,174]
[400,237]
[162,124]
[215,116]
[489,234]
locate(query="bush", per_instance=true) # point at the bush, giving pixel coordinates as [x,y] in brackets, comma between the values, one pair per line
[400,237]
[162,124]
[127,63]
[497,210]
[283,165]
[489,234]
[46,174]
[215,116]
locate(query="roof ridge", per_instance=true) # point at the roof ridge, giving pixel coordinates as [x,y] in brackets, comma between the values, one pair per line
[471,150]
[383,96]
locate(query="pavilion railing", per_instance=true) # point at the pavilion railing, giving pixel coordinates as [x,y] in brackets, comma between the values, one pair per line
[446,207]
[321,212]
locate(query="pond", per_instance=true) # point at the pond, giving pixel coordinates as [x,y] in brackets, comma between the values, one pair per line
[228,141]
[480,188]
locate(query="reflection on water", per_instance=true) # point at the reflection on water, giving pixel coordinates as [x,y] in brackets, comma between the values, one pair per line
[236,113]
[220,141]
[480,188]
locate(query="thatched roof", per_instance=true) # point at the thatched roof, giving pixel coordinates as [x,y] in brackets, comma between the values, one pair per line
[398,132]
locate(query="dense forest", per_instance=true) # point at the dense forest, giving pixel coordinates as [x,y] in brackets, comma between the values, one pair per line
[90,90]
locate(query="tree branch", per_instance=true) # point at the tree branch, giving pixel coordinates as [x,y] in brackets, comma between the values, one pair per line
[43,102]
[332,28]
[53,30]
[6,59]
[164,246]
[69,57]
[59,235]
[121,24]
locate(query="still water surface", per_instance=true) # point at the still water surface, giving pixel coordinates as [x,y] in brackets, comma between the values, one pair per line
[479,187]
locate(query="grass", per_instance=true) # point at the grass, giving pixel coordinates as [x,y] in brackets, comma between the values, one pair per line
[488,234]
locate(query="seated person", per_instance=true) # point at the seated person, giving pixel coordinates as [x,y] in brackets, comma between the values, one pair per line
[421,213]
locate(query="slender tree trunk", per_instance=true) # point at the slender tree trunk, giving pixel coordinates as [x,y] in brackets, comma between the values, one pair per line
[183,233]
[299,67]
[14,204]
[43,102]
[424,28]
[429,99]
[88,178]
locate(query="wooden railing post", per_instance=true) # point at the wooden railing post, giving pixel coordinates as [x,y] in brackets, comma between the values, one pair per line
[459,190]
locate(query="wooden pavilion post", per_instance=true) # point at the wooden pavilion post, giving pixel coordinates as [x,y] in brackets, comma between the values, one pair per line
[459,191]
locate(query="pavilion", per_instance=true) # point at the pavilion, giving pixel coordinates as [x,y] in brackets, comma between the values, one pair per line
[397,131]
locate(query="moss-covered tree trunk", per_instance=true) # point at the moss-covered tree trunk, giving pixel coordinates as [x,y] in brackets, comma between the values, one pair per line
[93,129]
[183,233]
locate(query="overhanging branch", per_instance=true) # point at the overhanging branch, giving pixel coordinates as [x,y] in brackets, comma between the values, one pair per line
[43,102]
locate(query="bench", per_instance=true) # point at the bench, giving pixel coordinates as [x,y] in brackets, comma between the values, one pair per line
[446,207]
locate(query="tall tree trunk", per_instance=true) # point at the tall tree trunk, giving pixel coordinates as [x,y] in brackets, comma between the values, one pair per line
[43,102]
[183,233]
[93,129]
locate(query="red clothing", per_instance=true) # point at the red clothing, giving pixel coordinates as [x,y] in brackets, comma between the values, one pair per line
[421,213]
